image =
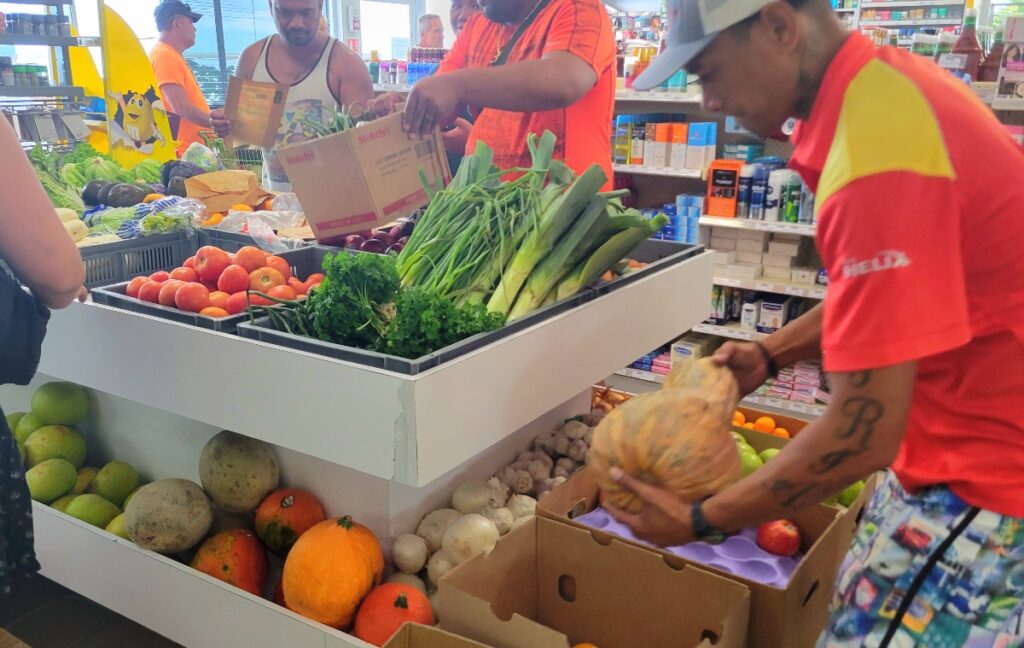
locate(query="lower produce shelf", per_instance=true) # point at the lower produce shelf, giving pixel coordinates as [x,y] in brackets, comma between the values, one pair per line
[170,598]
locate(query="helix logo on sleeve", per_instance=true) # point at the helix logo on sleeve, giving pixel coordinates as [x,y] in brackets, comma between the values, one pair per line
[882,261]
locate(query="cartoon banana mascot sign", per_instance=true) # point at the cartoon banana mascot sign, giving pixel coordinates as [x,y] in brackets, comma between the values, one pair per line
[136,118]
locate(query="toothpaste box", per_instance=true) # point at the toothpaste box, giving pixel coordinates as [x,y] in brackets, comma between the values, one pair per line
[696,143]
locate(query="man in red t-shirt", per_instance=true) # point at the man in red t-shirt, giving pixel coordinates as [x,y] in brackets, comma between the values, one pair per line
[919,195]
[559,76]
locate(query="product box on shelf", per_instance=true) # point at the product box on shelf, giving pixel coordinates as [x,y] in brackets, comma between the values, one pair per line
[790,617]
[412,635]
[381,167]
[549,584]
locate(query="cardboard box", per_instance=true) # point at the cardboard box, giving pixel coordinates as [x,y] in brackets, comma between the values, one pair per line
[779,618]
[743,256]
[255,111]
[775,272]
[723,232]
[723,258]
[552,584]
[362,178]
[743,270]
[412,635]
[723,244]
[778,261]
[751,245]
[751,235]
[783,248]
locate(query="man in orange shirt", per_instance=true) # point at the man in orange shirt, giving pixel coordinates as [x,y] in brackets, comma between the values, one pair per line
[182,95]
[526,66]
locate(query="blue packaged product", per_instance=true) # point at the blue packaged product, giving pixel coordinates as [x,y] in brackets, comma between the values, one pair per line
[822,279]
[622,142]
[771,161]
[669,209]
[758,190]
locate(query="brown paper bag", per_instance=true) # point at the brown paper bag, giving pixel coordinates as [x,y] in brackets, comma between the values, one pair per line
[222,189]
[255,111]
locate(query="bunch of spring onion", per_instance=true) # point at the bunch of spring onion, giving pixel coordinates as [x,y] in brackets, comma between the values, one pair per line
[520,245]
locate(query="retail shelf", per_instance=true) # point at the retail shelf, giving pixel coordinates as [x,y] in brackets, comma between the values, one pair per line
[665,172]
[844,10]
[392,87]
[120,576]
[41,91]
[910,3]
[760,226]
[784,405]
[410,429]
[773,286]
[47,41]
[640,374]
[937,22]
[659,97]
[733,330]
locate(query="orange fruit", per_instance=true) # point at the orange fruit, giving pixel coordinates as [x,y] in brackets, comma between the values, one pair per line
[584,645]
[214,219]
[749,426]
[241,207]
[268,205]
[782,432]
[765,424]
[213,311]
[153,197]
[738,418]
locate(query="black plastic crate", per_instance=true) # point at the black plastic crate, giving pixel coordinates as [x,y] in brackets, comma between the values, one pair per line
[115,262]
[261,329]
[657,255]
[304,262]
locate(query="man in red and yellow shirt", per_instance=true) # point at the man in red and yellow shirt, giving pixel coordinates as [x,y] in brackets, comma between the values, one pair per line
[559,76]
[919,194]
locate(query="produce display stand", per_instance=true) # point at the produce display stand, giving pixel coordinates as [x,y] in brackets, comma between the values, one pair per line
[381,446]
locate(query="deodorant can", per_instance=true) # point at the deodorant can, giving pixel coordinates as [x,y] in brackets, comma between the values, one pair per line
[758,190]
[806,206]
[743,191]
[773,198]
[736,307]
[790,209]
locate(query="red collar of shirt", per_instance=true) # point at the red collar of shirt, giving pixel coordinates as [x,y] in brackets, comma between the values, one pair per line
[812,138]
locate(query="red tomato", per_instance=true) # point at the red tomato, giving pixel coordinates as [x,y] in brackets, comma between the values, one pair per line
[314,278]
[150,291]
[283,292]
[169,290]
[251,258]
[134,285]
[299,287]
[264,279]
[189,263]
[210,262]
[259,300]
[236,303]
[187,275]
[279,264]
[234,279]
[780,537]
[213,311]
[219,299]
[192,297]
[160,276]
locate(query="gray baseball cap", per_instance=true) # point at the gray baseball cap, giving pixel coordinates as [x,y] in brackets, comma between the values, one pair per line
[692,25]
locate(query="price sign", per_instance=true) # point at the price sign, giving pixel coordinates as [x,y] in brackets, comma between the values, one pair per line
[797,292]
[76,125]
[764,287]
[953,61]
[46,128]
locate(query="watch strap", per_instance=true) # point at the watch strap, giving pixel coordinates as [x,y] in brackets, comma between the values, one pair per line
[702,528]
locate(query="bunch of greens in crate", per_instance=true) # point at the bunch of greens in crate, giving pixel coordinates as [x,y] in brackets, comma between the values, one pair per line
[520,245]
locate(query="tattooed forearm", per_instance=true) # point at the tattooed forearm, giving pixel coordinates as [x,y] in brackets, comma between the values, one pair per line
[862,413]
[790,494]
[860,379]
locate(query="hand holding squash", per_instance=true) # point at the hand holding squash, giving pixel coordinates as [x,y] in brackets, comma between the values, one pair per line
[665,520]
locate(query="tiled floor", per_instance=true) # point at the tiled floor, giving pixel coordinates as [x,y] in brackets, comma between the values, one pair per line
[43,614]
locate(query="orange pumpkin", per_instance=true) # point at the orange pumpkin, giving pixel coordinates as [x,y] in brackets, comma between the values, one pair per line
[285,515]
[677,438]
[235,557]
[386,608]
[279,593]
[330,569]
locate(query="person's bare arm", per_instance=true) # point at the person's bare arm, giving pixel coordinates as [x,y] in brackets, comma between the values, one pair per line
[244,69]
[33,240]
[796,341]
[350,78]
[175,95]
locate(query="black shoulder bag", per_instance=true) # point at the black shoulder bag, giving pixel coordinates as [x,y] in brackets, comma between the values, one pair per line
[23,322]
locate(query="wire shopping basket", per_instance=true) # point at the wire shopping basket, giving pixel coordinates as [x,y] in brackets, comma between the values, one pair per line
[238,158]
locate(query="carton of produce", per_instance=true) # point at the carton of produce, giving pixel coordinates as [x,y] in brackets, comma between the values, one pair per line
[553,585]
[363,177]
[789,616]
[417,636]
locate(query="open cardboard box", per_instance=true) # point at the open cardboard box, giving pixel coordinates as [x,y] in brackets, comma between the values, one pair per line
[551,585]
[792,425]
[412,635]
[779,618]
[361,178]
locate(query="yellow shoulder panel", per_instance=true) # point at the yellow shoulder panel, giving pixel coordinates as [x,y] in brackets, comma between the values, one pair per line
[885,124]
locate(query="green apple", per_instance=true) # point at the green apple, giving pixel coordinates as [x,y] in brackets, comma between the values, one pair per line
[50,479]
[12,420]
[768,454]
[85,476]
[116,527]
[115,481]
[60,403]
[850,494]
[27,424]
[53,441]
[749,461]
[739,437]
[93,509]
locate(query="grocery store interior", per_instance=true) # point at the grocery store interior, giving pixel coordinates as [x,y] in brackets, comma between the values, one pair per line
[510,323]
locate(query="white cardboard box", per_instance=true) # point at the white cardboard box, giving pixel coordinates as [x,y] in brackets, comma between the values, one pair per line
[724,257]
[804,275]
[780,261]
[723,244]
[751,235]
[775,272]
[724,232]
[743,270]
[784,248]
[749,257]
[751,245]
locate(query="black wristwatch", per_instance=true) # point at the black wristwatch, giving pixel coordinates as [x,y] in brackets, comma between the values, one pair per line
[702,529]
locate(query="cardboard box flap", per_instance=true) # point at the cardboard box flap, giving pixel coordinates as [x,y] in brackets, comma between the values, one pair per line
[412,635]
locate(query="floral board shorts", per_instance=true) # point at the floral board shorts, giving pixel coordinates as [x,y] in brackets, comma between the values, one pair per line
[929,570]
[17,557]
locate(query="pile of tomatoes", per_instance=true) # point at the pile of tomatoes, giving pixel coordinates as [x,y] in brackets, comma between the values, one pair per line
[213,283]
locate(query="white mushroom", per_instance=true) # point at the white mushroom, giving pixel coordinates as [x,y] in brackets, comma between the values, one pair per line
[578,450]
[539,470]
[575,429]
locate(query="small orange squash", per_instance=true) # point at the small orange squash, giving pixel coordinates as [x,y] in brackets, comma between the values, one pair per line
[386,608]
[330,569]
[235,557]
[677,438]
[284,516]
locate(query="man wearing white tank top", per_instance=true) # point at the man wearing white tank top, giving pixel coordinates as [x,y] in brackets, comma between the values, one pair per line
[321,74]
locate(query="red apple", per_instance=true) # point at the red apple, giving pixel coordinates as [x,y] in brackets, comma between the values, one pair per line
[780,537]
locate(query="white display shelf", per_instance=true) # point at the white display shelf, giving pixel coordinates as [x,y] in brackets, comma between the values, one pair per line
[845,10]
[659,97]
[910,3]
[166,596]
[410,429]
[784,405]
[773,286]
[937,22]
[392,87]
[760,226]
[732,330]
[640,374]
[664,172]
